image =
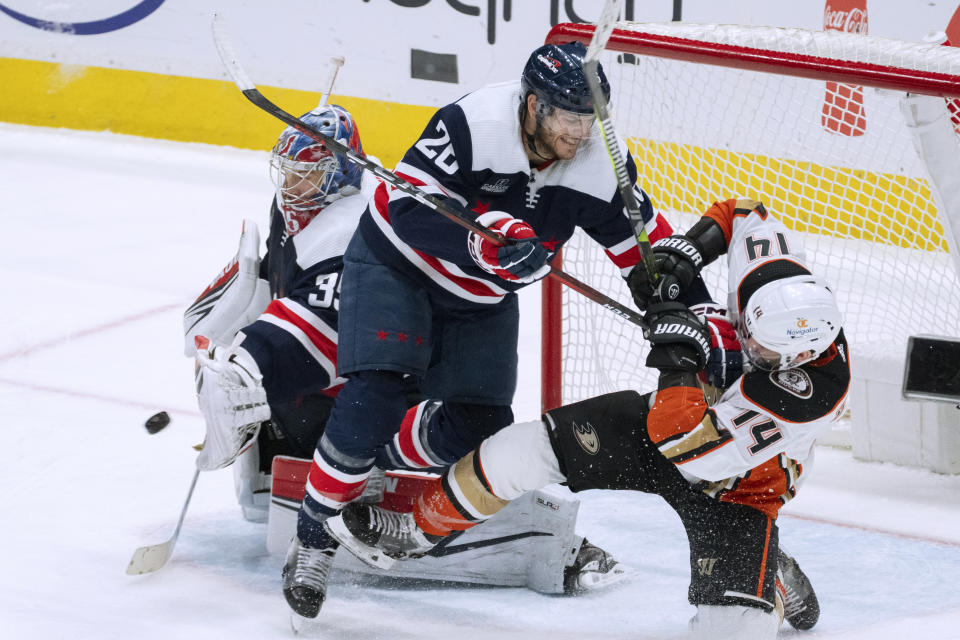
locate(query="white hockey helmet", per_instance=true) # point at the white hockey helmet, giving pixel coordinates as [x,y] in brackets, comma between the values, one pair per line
[788,322]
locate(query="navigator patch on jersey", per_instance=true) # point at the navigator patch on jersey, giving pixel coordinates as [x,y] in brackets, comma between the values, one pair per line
[794,381]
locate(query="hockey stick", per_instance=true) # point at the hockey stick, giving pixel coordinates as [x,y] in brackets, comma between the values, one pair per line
[336,62]
[153,557]
[601,35]
[249,89]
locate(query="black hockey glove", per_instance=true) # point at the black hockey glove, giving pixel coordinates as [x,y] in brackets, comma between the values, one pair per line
[680,342]
[679,260]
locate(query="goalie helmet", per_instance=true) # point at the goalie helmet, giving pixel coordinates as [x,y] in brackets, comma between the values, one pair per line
[306,174]
[554,73]
[788,322]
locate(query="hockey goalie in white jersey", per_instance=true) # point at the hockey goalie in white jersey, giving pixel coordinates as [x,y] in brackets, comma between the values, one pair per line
[726,459]
[265,335]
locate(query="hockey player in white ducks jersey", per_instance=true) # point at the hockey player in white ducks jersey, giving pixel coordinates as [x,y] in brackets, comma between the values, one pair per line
[267,369]
[424,297]
[725,459]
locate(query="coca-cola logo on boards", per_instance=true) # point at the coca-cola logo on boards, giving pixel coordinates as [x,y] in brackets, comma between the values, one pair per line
[853,20]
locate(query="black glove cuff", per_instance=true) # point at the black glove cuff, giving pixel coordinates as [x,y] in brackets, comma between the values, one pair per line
[676,379]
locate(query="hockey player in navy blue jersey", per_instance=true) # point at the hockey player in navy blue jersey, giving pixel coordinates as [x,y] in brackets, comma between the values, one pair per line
[423,297]
[265,332]
[267,369]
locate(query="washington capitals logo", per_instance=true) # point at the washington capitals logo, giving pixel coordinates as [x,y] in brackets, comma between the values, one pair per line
[550,63]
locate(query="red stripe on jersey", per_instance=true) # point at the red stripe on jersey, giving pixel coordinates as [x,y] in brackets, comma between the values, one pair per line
[327,347]
[380,199]
[473,286]
[628,258]
[662,230]
[331,488]
[405,439]
[332,391]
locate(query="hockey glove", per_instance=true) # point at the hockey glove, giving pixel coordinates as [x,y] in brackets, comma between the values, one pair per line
[680,342]
[725,363]
[524,260]
[232,399]
[679,260]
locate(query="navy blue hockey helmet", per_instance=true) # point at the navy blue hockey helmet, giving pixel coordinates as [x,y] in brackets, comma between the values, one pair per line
[554,73]
[307,175]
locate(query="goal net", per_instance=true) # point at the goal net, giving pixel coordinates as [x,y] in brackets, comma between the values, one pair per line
[815,126]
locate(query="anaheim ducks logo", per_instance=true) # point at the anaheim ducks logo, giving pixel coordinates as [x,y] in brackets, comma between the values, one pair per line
[587,437]
[794,381]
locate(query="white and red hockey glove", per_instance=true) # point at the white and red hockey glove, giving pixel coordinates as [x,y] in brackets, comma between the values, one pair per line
[725,362]
[232,399]
[524,260]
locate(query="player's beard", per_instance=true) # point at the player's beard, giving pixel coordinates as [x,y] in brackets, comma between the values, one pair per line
[550,145]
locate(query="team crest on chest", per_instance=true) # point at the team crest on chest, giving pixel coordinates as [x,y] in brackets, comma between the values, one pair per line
[794,381]
[587,437]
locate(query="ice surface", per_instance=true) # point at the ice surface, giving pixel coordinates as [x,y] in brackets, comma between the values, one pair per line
[105,240]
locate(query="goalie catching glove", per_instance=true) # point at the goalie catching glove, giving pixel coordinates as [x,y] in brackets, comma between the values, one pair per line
[680,342]
[232,399]
[524,260]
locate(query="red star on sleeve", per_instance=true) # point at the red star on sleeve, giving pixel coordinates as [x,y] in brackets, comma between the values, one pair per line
[481,207]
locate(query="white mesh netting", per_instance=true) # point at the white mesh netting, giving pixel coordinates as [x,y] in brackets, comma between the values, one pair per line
[834,162]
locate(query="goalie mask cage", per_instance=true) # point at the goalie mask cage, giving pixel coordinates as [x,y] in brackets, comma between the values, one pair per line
[846,138]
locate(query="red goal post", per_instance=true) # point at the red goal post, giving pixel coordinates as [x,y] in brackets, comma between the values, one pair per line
[711,112]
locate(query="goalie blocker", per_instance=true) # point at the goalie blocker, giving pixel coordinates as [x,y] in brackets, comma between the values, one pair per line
[530,544]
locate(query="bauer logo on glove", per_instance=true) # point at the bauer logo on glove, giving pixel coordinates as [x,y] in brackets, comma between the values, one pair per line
[522,260]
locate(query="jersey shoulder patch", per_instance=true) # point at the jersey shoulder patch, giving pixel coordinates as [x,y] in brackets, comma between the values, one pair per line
[796,382]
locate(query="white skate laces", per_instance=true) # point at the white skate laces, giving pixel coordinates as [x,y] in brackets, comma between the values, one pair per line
[305,575]
[379,537]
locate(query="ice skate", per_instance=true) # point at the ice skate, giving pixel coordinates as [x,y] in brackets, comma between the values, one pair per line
[800,606]
[379,537]
[305,579]
[593,569]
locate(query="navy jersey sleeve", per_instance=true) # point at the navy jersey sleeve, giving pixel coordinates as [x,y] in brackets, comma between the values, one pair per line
[294,341]
[439,164]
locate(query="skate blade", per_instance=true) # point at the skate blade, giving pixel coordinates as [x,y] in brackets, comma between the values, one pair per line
[594,581]
[305,626]
[370,556]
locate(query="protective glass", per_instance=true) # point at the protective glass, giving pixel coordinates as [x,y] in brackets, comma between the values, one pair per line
[568,123]
[767,359]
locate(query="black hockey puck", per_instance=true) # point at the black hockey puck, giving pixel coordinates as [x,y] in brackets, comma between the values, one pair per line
[157,422]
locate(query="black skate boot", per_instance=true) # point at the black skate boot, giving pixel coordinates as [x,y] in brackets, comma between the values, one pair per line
[379,537]
[593,569]
[800,606]
[305,577]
